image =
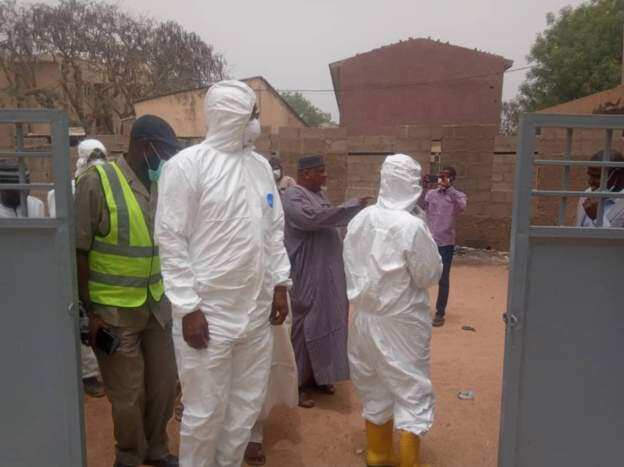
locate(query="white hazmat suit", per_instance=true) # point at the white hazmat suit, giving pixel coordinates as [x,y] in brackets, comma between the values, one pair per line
[390,261]
[220,228]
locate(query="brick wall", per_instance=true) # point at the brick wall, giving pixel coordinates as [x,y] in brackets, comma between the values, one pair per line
[418,81]
[354,163]
[485,163]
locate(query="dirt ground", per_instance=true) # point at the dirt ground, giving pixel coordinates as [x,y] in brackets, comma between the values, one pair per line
[465,433]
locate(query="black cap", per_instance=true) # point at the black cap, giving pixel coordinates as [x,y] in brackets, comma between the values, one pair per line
[154,129]
[311,162]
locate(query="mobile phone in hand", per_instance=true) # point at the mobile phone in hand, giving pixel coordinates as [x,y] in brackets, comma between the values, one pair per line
[107,341]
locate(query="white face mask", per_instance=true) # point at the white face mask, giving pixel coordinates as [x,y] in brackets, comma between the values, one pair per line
[277,174]
[252,131]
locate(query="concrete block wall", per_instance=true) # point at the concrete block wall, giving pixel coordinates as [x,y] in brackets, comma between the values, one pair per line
[485,162]
[354,163]
[470,150]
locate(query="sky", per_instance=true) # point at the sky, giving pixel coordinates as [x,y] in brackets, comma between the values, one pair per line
[292,42]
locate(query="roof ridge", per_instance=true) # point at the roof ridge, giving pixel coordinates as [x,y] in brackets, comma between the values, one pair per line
[417,39]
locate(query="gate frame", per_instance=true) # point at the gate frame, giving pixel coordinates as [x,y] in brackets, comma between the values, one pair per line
[522,233]
[63,225]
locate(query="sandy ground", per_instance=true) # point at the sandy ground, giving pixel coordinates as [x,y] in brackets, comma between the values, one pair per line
[465,433]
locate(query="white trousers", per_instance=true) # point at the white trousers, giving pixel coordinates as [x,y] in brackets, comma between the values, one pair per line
[223,389]
[389,364]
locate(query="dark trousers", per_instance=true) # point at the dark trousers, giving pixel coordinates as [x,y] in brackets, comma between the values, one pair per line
[446,252]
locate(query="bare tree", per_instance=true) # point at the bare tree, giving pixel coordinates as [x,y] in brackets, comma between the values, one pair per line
[106,59]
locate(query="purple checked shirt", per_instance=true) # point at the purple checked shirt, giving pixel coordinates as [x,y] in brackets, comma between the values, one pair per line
[442,208]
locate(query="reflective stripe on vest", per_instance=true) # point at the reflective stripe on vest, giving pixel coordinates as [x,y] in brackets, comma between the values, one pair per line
[124,264]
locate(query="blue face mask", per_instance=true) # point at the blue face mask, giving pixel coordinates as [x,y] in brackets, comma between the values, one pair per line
[154,174]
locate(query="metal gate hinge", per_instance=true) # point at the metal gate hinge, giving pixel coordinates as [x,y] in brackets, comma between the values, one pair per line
[511,320]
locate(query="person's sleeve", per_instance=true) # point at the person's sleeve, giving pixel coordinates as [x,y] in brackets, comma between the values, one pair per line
[289,182]
[460,200]
[280,264]
[423,258]
[36,208]
[52,203]
[423,202]
[615,217]
[352,257]
[306,216]
[177,206]
[580,212]
[88,209]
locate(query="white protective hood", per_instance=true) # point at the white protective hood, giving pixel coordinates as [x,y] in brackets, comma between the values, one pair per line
[227,107]
[85,150]
[400,183]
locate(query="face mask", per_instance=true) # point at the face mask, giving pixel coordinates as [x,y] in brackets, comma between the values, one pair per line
[610,183]
[154,174]
[277,175]
[252,131]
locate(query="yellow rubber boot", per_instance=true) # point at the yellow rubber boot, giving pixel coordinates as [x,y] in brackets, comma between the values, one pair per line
[409,444]
[379,445]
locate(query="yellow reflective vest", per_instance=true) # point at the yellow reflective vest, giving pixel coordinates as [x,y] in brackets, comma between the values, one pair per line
[124,264]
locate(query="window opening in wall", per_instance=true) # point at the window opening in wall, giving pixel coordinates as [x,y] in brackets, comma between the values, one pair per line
[435,159]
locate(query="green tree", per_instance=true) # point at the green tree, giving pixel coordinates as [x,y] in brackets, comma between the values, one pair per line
[310,114]
[510,117]
[579,53]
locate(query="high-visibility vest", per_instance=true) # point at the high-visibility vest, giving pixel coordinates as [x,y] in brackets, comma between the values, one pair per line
[124,264]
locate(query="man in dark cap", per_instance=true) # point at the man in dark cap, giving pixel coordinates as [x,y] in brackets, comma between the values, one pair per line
[319,296]
[121,287]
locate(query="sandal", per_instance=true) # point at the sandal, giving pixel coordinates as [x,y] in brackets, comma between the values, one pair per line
[326,389]
[254,454]
[305,402]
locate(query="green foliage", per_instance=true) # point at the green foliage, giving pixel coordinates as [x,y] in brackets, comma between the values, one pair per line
[510,117]
[579,53]
[310,114]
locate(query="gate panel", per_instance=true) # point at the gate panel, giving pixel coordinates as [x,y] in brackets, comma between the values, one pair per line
[563,381]
[41,395]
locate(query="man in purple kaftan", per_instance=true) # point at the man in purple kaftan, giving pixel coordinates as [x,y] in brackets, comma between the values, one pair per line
[319,297]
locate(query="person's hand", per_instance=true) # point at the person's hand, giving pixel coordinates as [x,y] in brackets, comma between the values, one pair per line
[365,200]
[591,207]
[279,309]
[195,330]
[444,183]
[95,324]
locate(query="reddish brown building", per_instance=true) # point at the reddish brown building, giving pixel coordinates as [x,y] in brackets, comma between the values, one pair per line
[418,81]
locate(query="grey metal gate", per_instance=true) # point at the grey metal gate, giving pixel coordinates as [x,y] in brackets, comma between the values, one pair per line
[40,394]
[563,383]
